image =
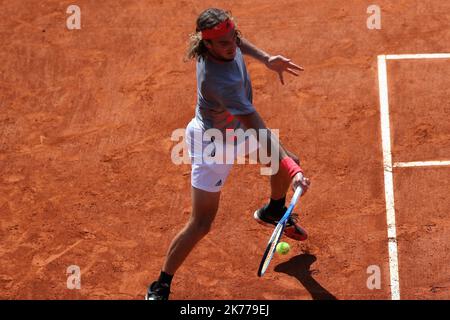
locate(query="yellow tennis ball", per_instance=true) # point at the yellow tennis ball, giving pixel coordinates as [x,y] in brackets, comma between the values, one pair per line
[283,248]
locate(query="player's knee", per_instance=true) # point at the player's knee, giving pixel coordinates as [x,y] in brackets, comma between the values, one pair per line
[202,228]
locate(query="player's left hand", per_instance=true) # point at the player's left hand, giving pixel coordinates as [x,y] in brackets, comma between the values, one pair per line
[280,64]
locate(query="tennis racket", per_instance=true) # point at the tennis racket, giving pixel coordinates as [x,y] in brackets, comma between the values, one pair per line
[276,235]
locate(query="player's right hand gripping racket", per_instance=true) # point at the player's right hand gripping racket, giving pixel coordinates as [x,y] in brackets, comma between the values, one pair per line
[276,235]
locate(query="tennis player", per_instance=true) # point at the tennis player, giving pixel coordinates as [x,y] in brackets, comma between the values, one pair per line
[224,102]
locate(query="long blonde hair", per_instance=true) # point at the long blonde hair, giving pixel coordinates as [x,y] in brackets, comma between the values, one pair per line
[206,20]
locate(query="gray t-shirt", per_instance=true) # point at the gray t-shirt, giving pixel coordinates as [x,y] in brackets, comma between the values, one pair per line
[223,91]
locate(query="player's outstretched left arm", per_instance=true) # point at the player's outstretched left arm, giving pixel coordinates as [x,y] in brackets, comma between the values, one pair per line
[276,63]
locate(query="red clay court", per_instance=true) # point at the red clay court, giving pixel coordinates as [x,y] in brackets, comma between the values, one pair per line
[85,150]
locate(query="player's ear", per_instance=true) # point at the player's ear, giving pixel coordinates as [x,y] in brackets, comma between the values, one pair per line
[207,43]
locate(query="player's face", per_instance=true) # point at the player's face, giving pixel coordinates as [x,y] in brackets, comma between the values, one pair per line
[224,47]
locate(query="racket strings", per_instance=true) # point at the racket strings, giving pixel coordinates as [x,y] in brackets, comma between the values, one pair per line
[270,250]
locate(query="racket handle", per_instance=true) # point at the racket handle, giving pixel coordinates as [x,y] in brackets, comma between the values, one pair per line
[298,192]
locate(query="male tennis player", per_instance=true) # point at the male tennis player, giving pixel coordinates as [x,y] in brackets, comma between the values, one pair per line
[224,101]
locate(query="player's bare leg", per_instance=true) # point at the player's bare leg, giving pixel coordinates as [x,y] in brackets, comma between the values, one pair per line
[279,185]
[204,208]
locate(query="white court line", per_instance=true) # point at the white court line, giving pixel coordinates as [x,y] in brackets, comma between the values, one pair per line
[421,164]
[388,177]
[418,56]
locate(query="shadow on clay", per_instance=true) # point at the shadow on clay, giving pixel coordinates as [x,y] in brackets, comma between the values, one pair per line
[299,267]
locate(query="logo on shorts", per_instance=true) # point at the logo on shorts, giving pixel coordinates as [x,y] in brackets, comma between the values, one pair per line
[219,183]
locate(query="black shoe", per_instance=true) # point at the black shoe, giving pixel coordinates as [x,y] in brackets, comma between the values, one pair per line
[158,291]
[292,229]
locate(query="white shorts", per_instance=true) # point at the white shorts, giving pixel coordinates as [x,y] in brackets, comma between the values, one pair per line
[211,177]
